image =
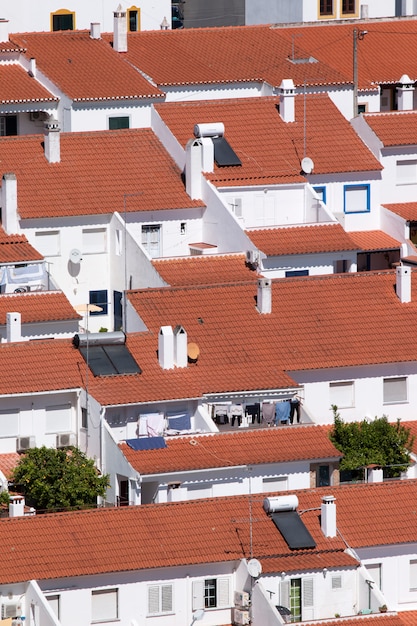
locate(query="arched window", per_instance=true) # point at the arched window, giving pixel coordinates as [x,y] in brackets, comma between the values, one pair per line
[133,19]
[63,20]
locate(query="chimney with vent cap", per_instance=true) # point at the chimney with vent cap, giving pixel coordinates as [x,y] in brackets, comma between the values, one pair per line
[328,516]
[13,327]
[52,141]
[287,100]
[403,283]
[119,30]
[9,216]
[166,347]
[405,93]
[95,30]
[264,296]
[16,506]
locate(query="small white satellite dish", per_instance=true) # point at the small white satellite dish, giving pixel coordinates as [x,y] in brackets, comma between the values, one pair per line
[307,165]
[254,568]
[75,255]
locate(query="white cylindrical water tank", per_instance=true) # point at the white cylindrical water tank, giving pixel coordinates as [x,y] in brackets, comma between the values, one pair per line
[209,130]
[280,503]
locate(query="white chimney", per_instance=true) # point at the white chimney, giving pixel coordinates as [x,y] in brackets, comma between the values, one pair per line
[403,284]
[328,516]
[9,217]
[95,30]
[166,347]
[16,506]
[4,30]
[199,157]
[405,93]
[364,11]
[32,67]
[180,347]
[119,30]
[13,327]
[264,296]
[286,100]
[374,474]
[52,141]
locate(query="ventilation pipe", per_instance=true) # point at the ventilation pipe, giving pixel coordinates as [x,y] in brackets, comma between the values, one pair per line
[4,30]
[9,217]
[119,30]
[287,100]
[95,30]
[264,296]
[13,327]
[166,347]
[328,516]
[180,347]
[403,283]
[16,506]
[52,141]
[405,93]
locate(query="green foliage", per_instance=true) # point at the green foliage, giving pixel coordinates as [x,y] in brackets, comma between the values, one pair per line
[4,497]
[59,479]
[376,442]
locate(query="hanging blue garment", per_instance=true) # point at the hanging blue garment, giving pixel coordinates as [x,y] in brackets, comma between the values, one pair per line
[282,412]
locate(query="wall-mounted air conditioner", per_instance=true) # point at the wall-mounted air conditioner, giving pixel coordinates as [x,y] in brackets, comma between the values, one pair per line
[242,599]
[240,617]
[25,443]
[38,116]
[10,610]
[13,288]
[63,440]
[253,258]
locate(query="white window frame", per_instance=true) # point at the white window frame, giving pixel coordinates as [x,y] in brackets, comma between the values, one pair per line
[406,171]
[7,419]
[104,605]
[395,390]
[413,575]
[48,242]
[342,394]
[375,569]
[54,603]
[58,418]
[161,599]
[223,586]
[274,483]
[94,240]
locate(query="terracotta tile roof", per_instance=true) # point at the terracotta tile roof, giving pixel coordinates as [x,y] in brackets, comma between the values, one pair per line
[374,240]
[302,240]
[16,248]
[83,182]
[17,86]
[268,147]
[406,210]
[408,618]
[38,307]
[203,270]
[221,55]
[391,619]
[412,426]
[85,68]
[277,445]
[8,462]
[397,128]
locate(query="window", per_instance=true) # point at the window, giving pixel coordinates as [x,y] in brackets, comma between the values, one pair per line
[54,604]
[211,593]
[321,192]
[336,582]
[99,298]
[276,483]
[295,599]
[118,242]
[9,422]
[395,390]
[160,599]
[58,418]
[341,394]
[323,476]
[151,240]
[8,125]
[348,7]
[341,266]
[362,108]
[48,242]
[104,605]
[326,7]
[115,123]
[63,20]
[297,595]
[84,418]
[94,240]
[133,19]
[292,273]
[406,172]
[375,569]
[356,198]
[413,575]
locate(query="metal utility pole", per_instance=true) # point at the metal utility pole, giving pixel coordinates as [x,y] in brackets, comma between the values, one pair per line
[358,35]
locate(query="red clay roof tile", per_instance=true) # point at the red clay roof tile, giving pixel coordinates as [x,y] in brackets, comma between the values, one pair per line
[374,240]
[38,307]
[8,462]
[17,86]
[16,248]
[406,210]
[396,128]
[203,270]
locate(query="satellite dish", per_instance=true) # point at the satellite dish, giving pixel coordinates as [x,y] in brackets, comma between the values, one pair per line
[307,165]
[254,568]
[193,352]
[75,255]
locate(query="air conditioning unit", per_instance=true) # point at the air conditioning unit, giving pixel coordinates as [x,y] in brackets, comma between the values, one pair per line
[25,443]
[38,116]
[10,610]
[63,440]
[252,258]
[13,288]
[242,599]
[240,617]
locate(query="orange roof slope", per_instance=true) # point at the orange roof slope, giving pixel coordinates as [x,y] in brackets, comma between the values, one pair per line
[406,210]
[38,307]
[239,448]
[85,68]
[17,86]
[16,249]
[8,462]
[269,148]
[96,172]
[203,270]
[374,240]
[398,128]
[302,240]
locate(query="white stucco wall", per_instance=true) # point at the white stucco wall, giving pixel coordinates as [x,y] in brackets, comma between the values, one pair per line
[315,264]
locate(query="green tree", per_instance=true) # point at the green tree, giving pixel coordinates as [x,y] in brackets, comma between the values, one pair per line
[58,479]
[372,442]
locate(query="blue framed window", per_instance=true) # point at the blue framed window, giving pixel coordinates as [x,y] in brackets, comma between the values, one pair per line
[356,198]
[291,273]
[321,192]
[99,298]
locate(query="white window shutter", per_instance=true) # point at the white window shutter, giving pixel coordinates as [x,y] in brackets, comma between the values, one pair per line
[153,599]
[308,598]
[166,598]
[284,593]
[223,592]
[198,594]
